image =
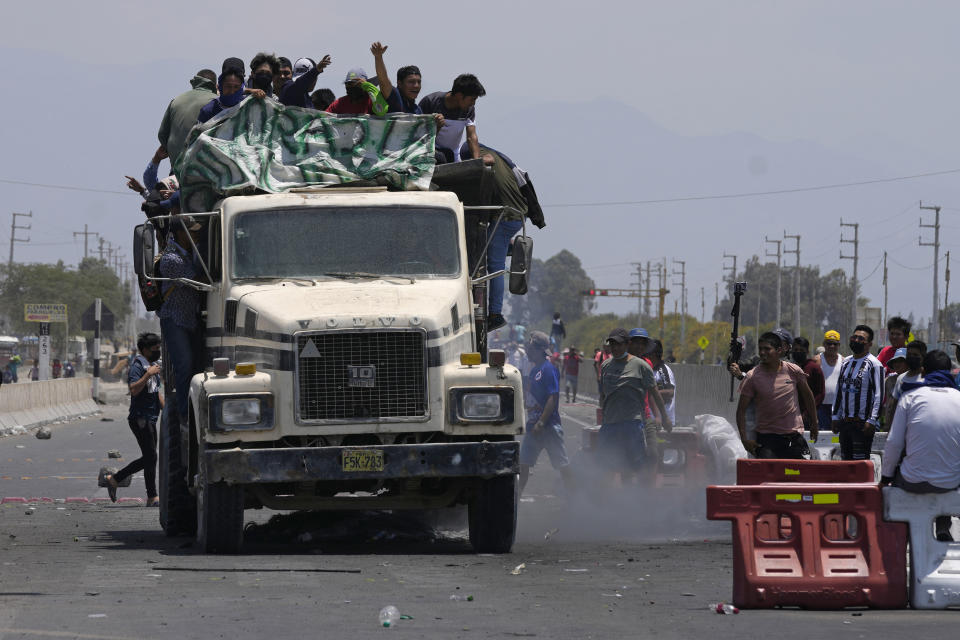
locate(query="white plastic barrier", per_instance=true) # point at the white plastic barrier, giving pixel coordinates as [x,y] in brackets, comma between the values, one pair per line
[934,565]
[720,440]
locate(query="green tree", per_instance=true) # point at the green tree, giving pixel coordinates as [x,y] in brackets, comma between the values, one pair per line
[556,285]
[825,300]
[55,283]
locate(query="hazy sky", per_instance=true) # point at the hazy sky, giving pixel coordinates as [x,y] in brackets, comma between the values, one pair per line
[870,80]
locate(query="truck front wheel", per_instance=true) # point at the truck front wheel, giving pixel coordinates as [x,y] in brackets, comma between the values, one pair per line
[178,512]
[219,514]
[493,515]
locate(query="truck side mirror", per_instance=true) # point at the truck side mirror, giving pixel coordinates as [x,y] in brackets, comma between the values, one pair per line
[143,250]
[521,257]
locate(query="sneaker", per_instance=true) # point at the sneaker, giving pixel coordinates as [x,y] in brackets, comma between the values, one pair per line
[111,487]
[495,321]
[153,502]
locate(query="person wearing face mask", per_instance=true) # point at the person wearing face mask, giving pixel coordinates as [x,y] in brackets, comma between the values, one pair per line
[264,69]
[296,91]
[145,406]
[913,362]
[362,97]
[800,354]
[230,85]
[625,381]
[856,409]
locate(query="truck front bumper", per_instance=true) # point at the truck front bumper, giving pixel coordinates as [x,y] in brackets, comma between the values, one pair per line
[302,464]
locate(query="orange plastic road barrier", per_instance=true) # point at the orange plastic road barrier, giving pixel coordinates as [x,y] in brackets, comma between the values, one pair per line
[837,552]
[806,471]
[681,464]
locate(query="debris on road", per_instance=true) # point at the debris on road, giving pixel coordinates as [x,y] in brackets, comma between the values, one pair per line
[550,534]
[44,433]
[723,608]
[114,453]
[389,615]
[517,570]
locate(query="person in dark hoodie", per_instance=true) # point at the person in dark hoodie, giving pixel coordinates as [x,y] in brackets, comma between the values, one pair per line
[264,69]
[296,92]
[182,112]
[232,90]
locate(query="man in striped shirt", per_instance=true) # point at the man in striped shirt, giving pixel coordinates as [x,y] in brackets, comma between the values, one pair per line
[859,395]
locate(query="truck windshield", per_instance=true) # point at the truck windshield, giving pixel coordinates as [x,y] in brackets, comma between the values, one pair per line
[306,243]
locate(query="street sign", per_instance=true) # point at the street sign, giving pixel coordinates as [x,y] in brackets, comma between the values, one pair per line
[35,312]
[88,321]
[703,343]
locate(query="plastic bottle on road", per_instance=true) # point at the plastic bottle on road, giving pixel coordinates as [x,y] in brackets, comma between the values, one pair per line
[389,616]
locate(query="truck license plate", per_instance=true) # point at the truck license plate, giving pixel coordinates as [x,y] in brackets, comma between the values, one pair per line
[363,460]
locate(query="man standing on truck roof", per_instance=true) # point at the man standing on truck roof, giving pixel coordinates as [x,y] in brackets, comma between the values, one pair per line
[457,108]
[284,73]
[181,304]
[182,112]
[542,397]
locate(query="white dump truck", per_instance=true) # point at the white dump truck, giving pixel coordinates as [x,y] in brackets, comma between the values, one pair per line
[345,365]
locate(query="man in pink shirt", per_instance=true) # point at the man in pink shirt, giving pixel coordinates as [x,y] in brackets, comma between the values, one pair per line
[774,387]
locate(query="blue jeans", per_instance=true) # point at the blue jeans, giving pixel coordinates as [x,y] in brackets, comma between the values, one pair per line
[179,343]
[497,259]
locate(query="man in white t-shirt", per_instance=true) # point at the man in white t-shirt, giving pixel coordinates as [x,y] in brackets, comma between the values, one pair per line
[666,381]
[915,352]
[926,433]
[829,361]
[457,108]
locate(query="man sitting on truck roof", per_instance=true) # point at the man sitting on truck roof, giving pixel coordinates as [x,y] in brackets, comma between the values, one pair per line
[182,112]
[230,85]
[362,97]
[284,73]
[457,108]
[296,92]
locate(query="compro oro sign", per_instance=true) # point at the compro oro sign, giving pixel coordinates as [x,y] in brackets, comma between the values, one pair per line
[45,312]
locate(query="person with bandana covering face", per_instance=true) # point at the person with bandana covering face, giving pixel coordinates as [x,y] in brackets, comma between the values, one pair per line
[915,352]
[264,68]
[362,97]
[230,85]
[859,396]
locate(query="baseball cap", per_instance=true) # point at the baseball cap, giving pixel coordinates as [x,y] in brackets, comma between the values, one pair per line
[618,335]
[302,66]
[539,340]
[899,354]
[355,74]
[639,333]
[784,335]
[831,335]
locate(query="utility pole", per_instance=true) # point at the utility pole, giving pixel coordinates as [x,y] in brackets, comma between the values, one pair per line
[86,236]
[885,316]
[683,298]
[733,268]
[796,281]
[703,306]
[101,247]
[639,285]
[646,299]
[856,259]
[13,233]
[779,255]
[935,317]
[946,293]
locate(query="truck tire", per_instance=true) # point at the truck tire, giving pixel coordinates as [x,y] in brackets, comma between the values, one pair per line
[178,510]
[492,514]
[219,514]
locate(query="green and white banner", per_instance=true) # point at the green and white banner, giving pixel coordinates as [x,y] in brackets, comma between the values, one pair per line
[264,146]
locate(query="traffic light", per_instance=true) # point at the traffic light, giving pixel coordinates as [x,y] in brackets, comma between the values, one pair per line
[594,292]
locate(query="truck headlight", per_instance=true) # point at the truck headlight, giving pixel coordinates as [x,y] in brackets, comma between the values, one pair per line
[469,405]
[480,406]
[252,412]
[240,411]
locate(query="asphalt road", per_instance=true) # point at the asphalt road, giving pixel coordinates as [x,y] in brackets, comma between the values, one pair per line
[614,564]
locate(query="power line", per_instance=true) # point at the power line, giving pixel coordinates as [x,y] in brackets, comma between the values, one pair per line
[751,194]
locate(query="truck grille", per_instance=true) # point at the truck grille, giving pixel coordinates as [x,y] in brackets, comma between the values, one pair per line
[334,375]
